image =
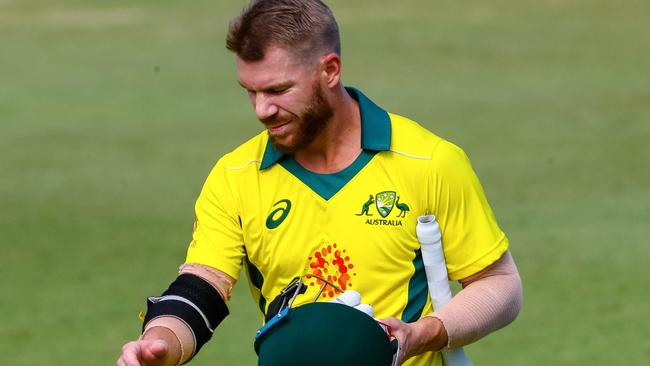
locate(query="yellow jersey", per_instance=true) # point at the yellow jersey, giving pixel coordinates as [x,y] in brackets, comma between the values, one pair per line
[261,210]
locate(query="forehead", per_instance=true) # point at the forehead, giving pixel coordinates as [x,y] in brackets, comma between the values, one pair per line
[278,65]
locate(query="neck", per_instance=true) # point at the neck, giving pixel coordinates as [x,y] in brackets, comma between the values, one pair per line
[340,143]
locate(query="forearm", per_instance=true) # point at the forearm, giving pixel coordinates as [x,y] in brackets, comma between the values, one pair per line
[489,302]
[178,334]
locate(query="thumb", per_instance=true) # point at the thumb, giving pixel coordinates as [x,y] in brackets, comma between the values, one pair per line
[154,350]
[391,321]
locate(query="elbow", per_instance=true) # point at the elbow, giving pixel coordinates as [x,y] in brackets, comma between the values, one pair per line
[515,300]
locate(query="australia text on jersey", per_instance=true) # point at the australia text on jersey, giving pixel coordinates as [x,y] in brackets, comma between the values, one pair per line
[384,202]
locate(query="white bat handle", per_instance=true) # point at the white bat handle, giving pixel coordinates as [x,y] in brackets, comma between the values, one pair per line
[435,267]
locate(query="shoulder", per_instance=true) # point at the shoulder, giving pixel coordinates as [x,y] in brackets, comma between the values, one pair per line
[410,138]
[245,156]
[239,166]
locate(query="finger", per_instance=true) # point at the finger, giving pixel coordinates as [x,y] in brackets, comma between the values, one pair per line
[392,322]
[153,351]
[387,320]
[122,362]
[400,331]
[131,354]
[159,349]
[399,354]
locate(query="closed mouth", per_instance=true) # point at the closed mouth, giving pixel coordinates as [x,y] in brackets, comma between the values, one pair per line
[273,128]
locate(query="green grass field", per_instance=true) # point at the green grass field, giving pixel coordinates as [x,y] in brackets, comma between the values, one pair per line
[113,112]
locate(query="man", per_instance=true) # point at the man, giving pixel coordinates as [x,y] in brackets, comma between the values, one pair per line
[286,204]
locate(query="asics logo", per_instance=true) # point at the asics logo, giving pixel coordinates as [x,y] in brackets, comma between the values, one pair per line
[277,216]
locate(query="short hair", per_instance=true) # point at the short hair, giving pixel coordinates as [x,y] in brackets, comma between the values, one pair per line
[305,27]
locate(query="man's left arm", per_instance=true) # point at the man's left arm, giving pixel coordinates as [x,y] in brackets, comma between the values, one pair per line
[489,300]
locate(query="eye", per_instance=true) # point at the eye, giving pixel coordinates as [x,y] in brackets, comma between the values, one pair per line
[278,91]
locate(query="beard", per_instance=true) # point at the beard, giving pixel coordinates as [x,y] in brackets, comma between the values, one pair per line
[311,122]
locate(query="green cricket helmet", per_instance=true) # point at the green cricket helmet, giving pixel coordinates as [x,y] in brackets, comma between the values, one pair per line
[323,334]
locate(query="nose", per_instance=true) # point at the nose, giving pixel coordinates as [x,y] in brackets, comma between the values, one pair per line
[264,107]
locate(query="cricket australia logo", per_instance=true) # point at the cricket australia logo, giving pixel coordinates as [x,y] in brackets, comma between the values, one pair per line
[384,202]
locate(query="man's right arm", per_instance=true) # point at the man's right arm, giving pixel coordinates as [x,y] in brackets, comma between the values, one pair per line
[174,332]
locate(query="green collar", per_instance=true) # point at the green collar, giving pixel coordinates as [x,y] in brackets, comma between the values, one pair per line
[375,129]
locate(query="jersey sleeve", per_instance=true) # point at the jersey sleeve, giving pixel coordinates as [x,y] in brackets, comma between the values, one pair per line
[217,240]
[471,238]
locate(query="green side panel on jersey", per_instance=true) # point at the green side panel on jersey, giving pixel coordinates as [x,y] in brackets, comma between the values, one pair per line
[418,291]
[326,185]
[257,280]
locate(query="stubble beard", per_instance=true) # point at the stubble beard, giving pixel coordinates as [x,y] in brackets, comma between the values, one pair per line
[311,123]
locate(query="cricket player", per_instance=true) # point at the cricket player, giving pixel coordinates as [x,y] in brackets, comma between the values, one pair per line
[331,189]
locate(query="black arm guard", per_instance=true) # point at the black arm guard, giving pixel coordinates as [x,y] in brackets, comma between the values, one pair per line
[193,300]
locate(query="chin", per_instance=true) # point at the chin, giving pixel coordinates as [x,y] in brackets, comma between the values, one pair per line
[283,145]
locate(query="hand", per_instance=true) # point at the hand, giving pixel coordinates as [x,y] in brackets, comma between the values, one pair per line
[427,334]
[404,335]
[144,353]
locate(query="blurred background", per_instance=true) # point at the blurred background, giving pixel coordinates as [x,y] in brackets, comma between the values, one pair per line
[112,113]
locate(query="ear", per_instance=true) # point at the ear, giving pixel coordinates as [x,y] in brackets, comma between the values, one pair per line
[330,69]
